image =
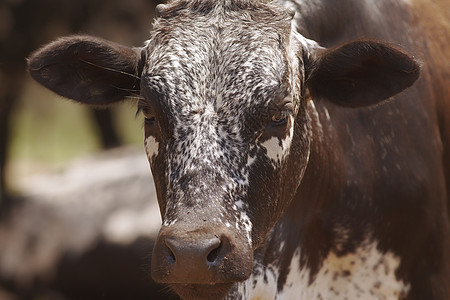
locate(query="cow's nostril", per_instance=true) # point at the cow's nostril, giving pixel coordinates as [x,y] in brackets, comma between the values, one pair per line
[212,256]
[171,257]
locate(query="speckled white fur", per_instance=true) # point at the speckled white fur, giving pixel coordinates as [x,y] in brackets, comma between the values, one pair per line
[278,149]
[365,274]
[151,147]
[209,88]
[261,286]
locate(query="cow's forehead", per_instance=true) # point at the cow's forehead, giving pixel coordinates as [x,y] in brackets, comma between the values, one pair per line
[219,57]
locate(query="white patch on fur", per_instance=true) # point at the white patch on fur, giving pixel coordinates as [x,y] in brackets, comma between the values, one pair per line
[277,151]
[274,149]
[295,280]
[250,160]
[240,204]
[365,274]
[288,140]
[151,147]
[264,286]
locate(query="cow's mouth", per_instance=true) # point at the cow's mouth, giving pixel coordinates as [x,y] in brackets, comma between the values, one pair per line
[202,291]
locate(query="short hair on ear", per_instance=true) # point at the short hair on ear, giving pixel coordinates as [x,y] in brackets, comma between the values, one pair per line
[88,69]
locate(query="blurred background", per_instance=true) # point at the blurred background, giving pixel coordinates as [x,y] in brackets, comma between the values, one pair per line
[78,213]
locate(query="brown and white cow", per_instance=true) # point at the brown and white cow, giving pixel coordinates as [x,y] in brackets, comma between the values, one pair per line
[281,171]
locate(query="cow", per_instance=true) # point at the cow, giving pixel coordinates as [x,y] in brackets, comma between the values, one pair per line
[299,149]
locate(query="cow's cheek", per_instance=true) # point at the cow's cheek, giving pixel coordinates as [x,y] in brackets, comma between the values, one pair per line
[156,158]
[271,189]
[264,186]
[293,170]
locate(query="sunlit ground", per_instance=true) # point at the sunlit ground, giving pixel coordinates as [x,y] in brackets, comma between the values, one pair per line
[49,131]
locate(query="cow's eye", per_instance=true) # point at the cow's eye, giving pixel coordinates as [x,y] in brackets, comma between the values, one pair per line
[280,118]
[148,114]
[147,111]
[149,119]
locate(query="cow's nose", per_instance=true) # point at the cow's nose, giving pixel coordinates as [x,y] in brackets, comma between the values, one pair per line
[199,256]
[190,257]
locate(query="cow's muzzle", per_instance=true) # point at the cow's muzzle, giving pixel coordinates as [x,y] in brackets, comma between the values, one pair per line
[189,256]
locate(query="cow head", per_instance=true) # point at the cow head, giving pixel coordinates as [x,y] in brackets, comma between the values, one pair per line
[224,89]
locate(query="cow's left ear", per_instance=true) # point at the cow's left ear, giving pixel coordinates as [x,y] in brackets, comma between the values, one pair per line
[360,73]
[88,69]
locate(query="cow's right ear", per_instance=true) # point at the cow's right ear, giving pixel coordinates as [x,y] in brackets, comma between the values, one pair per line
[88,69]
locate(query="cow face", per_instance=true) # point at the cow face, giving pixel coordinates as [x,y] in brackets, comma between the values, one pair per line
[222,96]
[227,129]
